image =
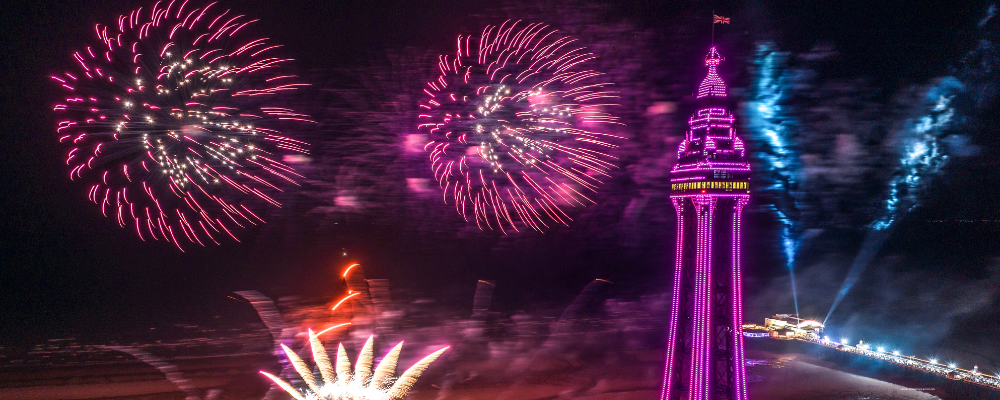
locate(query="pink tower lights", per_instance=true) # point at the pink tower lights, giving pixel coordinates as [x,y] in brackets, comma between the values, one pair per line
[709,189]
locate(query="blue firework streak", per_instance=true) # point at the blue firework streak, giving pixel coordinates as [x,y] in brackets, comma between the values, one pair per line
[768,121]
[921,157]
[771,128]
[921,154]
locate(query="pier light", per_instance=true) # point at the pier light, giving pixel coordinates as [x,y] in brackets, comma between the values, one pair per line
[881,350]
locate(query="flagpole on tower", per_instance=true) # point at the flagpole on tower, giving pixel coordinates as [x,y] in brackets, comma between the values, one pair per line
[717,20]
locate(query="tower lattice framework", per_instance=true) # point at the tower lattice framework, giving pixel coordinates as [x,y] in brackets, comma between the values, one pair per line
[709,189]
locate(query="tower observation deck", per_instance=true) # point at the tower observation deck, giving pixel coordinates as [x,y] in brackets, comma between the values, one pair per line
[709,187]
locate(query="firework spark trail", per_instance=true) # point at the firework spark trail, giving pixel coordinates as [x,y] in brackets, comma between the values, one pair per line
[173,119]
[338,382]
[518,128]
[772,126]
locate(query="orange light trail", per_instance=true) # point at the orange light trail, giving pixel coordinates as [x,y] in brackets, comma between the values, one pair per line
[349,269]
[330,328]
[343,300]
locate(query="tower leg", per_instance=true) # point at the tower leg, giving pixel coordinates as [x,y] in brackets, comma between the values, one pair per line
[739,368]
[675,307]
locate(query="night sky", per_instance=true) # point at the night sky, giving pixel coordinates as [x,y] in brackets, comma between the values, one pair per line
[858,74]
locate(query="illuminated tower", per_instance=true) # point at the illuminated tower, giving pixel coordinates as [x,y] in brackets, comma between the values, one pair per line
[709,187]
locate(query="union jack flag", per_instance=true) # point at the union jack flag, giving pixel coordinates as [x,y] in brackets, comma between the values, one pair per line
[720,20]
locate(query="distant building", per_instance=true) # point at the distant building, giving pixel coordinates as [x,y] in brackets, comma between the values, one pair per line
[783,326]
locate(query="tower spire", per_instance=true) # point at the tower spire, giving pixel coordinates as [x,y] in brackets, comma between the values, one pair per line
[712,85]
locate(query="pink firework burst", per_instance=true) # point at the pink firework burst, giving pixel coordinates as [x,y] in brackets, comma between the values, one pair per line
[173,119]
[518,127]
